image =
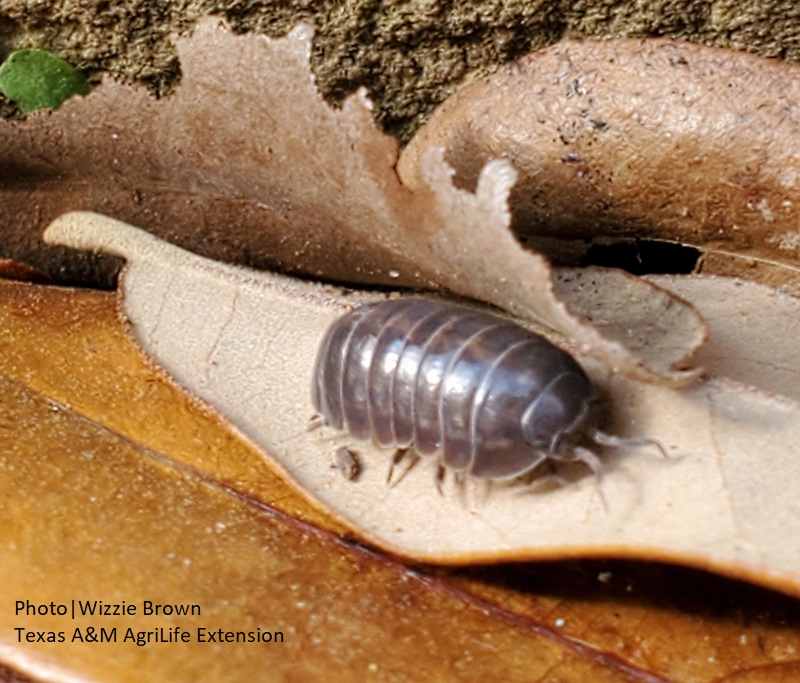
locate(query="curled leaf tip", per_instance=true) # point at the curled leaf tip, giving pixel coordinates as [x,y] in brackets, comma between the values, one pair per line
[93,231]
[497,178]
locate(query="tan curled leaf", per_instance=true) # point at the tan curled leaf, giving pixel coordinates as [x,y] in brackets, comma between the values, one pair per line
[246,342]
[89,432]
[245,162]
[473,252]
[97,500]
[637,138]
[98,504]
[652,325]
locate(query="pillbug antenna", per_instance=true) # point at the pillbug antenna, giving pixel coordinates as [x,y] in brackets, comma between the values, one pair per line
[604,439]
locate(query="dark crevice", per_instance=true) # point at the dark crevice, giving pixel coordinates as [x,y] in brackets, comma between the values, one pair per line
[641,257]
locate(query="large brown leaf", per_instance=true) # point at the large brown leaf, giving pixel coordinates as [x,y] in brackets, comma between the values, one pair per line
[291,183]
[643,138]
[97,507]
[68,345]
[110,490]
[246,342]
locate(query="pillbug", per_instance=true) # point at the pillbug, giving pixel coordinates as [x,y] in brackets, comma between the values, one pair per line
[488,398]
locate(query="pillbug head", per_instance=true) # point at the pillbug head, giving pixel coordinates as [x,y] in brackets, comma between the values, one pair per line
[558,413]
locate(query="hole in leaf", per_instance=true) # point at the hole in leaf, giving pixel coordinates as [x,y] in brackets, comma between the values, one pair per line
[643,256]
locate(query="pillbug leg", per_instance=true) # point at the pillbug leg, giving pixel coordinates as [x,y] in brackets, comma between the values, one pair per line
[399,455]
[554,476]
[586,456]
[460,480]
[485,490]
[604,439]
[461,485]
[482,489]
[315,422]
[547,479]
[439,478]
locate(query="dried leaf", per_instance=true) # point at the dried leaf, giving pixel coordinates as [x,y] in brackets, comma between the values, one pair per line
[70,348]
[646,138]
[95,514]
[14,270]
[257,191]
[246,343]
[89,440]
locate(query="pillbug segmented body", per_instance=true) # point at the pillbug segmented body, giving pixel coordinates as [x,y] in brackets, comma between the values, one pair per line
[488,398]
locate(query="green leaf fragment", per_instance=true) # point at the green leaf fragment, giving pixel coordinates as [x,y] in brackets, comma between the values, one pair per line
[36,79]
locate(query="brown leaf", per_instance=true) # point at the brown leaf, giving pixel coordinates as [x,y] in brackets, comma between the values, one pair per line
[290,183]
[645,138]
[120,518]
[68,345]
[97,506]
[246,343]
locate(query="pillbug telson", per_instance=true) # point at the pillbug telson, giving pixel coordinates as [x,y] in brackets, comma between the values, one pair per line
[488,398]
